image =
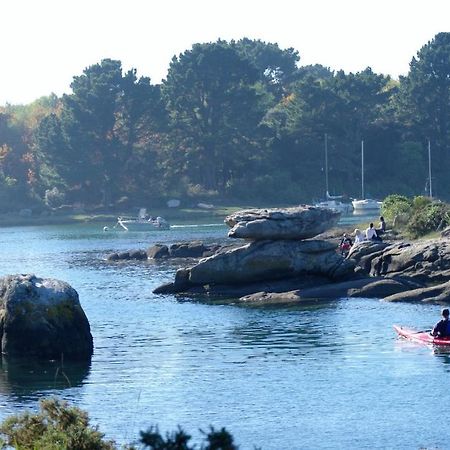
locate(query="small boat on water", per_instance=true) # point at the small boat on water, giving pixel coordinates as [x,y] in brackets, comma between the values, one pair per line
[366,204]
[422,337]
[335,205]
[142,223]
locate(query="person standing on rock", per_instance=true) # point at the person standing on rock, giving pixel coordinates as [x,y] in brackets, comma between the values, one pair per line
[442,328]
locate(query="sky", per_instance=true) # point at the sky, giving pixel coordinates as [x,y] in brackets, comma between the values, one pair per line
[45,43]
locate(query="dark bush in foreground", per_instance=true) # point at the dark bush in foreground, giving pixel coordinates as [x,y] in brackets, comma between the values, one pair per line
[60,427]
[56,427]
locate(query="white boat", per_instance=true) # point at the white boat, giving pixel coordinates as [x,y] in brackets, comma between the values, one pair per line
[142,223]
[335,205]
[332,201]
[365,204]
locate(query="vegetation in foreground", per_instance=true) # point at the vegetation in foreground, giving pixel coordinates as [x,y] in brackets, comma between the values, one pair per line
[59,426]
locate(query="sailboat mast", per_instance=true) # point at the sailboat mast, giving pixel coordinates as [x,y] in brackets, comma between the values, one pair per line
[326,165]
[429,168]
[362,169]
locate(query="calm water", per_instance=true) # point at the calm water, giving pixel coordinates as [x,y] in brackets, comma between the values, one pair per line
[313,377]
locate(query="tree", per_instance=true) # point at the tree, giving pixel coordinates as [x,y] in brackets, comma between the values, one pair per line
[215,110]
[424,102]
[102,132]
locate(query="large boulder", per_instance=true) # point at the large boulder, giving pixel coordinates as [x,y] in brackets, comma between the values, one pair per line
[302,222]
[264,261]
[42,318]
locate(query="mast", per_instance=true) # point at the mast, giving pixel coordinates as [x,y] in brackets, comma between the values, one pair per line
[326,165]
[429,168]
[362,170]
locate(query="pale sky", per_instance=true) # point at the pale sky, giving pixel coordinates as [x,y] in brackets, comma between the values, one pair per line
[47,42]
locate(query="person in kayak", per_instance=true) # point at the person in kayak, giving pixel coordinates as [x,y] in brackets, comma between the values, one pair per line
[442,328]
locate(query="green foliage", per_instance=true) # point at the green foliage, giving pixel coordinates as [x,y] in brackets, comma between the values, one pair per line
[233,119]
[56,427]
[60,427]
[179,440]
[428,218]
[396,205]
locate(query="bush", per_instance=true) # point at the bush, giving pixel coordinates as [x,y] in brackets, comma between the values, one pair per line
[428,218]
[60,427]
[396,205]
[56,427]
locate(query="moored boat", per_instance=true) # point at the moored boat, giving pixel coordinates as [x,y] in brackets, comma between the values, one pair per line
[422,337]
[366,205]
[142,223]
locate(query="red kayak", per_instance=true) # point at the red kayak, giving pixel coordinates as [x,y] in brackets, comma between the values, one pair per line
[424,337]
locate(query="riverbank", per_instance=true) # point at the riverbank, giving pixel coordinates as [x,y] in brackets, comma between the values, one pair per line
[198,215]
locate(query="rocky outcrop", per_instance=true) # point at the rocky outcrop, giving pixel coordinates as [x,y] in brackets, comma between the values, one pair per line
[434,294]
[262,261]
[42,318]
[365,287]
[195,249]
[425,262]
[302,222]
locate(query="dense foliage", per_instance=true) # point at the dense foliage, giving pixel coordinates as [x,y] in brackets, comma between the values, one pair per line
[418,216]
[235,120]
[59,426]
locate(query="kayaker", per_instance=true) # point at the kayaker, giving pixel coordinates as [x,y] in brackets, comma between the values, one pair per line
[442,328]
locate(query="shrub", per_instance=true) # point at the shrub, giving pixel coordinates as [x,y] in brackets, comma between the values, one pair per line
[56,427]
[428,218]
[396,205]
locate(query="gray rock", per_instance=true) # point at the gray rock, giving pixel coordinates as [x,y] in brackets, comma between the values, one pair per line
[365,287]
[187,250]
[439,294]
[271,260]
[42,318]
[301,222]
[158,251]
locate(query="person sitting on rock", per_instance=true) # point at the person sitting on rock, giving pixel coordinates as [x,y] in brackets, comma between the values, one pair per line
[382,228]
[442,328]
[359,236]
[345,245]
[371,234]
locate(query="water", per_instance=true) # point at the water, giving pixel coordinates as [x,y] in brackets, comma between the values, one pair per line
[324,376]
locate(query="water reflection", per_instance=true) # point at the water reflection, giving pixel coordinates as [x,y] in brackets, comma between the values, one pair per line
[23,377]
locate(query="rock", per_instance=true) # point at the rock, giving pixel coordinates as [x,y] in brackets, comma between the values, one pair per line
[42,318]
[302,222]
[439,294]
[138,254]
[366,287]
[158,251]
[425,262]
[264,261]
[187,250]
[445,233]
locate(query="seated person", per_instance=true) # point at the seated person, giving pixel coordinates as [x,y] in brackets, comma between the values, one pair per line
[345,244]
[371,234]
[382,228]
[442,328]
[359,236]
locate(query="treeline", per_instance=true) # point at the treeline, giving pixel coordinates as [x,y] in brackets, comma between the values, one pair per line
[235,120]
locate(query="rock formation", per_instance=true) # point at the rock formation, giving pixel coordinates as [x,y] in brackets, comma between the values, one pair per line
[301,222]
[42,318]
[278,250]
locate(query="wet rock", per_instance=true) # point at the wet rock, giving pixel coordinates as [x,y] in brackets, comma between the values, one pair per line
[158,251]
[42,318]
